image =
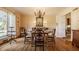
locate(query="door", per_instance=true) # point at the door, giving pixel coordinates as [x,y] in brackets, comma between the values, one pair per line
[60,26]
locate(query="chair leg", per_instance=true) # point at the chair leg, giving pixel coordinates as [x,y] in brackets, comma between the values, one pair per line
[12,40]
[43,48]
[24,40]
[35,46]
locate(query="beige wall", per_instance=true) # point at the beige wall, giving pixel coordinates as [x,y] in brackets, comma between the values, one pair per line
[29,21]
[66,11]
[51,21]
[75,20]
[60,20]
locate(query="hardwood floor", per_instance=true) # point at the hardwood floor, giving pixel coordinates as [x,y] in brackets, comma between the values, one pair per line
[61,45]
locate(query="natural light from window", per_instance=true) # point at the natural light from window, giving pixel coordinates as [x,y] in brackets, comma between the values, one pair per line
[3,23]
[7,20]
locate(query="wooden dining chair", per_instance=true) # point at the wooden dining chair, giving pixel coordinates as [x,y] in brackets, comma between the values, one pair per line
[27,36]
[51,37]
[39,39]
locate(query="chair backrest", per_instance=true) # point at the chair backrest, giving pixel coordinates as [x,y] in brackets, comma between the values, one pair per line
[23,32]
[54,31]
[39,33]
[22,29]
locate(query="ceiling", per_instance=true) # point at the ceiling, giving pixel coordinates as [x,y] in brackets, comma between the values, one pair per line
[30,10]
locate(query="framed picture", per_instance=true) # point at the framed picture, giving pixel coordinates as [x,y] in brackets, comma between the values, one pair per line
[39,21]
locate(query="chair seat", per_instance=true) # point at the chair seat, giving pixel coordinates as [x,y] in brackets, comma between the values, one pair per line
[50,36]
[28,36]
[39,45]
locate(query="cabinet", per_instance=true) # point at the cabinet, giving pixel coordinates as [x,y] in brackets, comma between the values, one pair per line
[75,41]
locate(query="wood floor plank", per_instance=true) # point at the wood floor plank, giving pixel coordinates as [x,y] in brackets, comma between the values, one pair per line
[61,45]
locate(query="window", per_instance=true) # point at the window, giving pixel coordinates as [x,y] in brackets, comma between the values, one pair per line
[3,23]
[7,20]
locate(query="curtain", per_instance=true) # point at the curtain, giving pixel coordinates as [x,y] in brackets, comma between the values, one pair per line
[11,23]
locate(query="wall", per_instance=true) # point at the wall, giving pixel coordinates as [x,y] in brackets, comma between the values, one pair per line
[60,26]
[63,13]
[75,20]
[51,21]
[29,21]
[66,11]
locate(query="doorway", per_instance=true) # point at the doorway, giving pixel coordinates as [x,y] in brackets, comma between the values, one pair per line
[68,25]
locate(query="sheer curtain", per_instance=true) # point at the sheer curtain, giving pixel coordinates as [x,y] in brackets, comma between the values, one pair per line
[11,23]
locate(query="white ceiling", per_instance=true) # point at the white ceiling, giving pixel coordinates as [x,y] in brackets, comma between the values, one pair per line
[30,10]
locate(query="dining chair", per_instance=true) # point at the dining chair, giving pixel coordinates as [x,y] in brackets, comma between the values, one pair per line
[27,36]
[51,37]
[39,39]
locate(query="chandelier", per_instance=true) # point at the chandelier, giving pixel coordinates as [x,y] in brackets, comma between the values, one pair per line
[39,13]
